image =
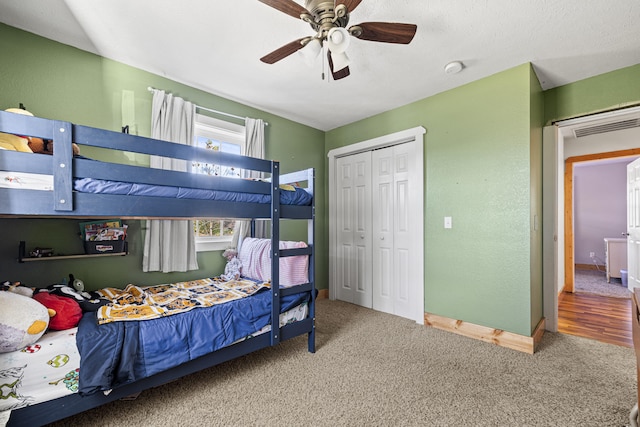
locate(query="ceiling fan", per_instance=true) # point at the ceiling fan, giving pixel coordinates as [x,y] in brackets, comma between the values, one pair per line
[329,18]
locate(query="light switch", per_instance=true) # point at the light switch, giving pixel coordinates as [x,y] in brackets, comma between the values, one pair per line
[447,222]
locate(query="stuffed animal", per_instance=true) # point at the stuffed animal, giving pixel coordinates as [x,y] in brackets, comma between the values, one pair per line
[35,145]
[67,312]
[14,143]
[233,269]
[23,320]
[17,288]
[87,301]
[45,146]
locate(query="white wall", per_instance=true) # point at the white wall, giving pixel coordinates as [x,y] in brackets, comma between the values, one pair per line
[604,142]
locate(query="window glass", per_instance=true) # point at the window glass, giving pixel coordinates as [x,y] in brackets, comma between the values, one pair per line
[218,135]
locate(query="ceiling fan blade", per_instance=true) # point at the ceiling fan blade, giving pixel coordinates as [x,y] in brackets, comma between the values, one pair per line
[340,74]
[287,6]
[349,4]
[283,52]
[386,32]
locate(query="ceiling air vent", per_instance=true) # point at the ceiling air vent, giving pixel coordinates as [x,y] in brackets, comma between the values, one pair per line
[607,127]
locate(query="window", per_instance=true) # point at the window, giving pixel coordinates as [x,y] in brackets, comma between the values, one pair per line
[212,134]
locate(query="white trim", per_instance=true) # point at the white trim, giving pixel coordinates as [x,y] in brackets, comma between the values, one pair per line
[598,117]
[552,226]
[408,135]
[205,246]
[380,142]
[566,127]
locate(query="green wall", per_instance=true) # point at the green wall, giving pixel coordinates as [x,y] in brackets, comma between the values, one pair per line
[536,114]
[478,157]
[609,91]
[57,81]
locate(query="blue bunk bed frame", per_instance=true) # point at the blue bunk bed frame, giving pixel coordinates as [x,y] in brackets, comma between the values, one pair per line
[66,203]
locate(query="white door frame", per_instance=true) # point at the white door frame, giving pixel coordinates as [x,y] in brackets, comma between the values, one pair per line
[553,279]
[408,135]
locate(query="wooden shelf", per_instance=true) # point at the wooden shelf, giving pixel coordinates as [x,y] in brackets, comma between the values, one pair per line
[23,258]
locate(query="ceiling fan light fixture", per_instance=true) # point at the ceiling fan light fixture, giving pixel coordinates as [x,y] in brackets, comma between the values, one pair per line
[340,61]
[311,51]
[338,40]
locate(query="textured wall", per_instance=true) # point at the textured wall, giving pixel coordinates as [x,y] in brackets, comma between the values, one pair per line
[478,170]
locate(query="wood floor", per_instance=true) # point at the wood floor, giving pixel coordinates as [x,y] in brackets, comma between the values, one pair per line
[596,317]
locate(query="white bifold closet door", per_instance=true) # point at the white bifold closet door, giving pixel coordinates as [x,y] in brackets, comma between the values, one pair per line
[378,252]
[354,229]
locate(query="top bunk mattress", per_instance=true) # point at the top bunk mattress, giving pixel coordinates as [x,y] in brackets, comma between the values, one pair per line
[103,187]
[289,194]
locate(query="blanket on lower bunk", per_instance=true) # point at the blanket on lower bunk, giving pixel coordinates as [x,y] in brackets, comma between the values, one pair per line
[150,302]
[118,353]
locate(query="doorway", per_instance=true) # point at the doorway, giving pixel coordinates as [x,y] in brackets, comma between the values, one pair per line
[376,222]
[562,142]
[614,162]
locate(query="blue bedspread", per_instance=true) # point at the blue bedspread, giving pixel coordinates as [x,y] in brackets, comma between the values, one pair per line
[118,353]
[299,196]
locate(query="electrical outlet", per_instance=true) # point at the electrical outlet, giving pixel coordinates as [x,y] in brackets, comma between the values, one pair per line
[592,254]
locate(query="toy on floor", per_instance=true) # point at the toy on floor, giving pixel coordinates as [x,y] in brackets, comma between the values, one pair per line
[233,269]
[23,320]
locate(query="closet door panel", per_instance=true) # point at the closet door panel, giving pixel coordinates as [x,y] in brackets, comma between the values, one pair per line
[404,230]
[384,280]
[354,228]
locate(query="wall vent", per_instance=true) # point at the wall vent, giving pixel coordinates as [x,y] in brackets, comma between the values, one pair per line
[606,127]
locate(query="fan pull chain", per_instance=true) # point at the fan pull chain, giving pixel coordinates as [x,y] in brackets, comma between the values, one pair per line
[323,56]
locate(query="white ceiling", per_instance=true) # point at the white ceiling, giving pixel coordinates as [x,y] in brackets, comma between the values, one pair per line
[215,46]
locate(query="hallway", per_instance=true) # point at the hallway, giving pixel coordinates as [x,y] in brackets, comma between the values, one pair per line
[601,318]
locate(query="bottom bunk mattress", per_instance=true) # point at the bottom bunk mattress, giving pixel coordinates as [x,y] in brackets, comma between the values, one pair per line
[92,357]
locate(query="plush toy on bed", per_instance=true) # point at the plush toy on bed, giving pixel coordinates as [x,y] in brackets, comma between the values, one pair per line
[233,269]
[16,288]
[66,311]
[23,320]
[33,144]
[45,146]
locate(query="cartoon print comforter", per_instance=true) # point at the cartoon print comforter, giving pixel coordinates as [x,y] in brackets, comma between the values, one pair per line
[150,302]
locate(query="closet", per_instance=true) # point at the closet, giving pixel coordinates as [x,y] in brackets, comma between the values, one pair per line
[377,228]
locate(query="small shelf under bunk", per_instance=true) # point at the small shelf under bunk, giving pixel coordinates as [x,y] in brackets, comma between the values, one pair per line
[22,255]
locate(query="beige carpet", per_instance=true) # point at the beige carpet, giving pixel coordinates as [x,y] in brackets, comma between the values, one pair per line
[374,369]
[595,282]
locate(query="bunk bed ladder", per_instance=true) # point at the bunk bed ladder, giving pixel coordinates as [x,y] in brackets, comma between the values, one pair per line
[275,252]
[312,262]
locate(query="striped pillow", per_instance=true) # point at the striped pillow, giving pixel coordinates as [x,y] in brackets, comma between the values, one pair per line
[255,255]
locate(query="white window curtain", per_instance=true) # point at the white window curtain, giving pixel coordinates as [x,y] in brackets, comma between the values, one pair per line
[169,245]
[254,147]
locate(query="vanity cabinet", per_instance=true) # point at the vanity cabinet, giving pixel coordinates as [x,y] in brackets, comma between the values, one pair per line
[615,252]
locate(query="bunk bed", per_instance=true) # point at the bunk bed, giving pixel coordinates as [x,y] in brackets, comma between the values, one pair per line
[84,188]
